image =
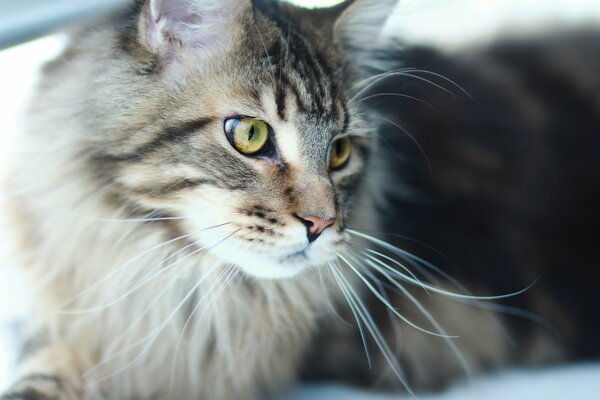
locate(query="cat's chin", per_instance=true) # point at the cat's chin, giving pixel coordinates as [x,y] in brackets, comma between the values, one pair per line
[270,270]
[262,267]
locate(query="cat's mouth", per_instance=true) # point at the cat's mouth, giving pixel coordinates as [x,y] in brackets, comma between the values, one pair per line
[302,254]
[282,255]
[268,266]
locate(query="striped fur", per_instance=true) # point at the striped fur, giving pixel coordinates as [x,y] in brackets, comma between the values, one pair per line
[160,250]
[167,265]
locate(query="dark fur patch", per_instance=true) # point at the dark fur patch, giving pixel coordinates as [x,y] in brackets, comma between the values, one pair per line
[28,394]
[170,136]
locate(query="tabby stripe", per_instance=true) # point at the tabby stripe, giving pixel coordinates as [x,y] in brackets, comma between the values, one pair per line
[28,394]
[173,134]
[174,187]
[280,96]
[42,377]
[285,81]
[307,68]
[346,117]
[280,100]
[315,63]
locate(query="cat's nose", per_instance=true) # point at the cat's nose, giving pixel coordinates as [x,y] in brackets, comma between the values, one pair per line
[315,226]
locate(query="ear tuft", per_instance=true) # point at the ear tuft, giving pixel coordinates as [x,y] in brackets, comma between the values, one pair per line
[360,25]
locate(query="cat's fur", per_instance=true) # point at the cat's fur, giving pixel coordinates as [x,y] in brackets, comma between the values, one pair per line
[125,138]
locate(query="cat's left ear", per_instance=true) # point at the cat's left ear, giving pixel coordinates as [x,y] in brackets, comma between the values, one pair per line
[166,27]
[359,26]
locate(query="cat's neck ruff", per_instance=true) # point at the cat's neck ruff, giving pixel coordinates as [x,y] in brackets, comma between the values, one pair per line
[155,307]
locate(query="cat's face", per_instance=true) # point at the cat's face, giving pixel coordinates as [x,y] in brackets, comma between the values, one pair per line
[255,145]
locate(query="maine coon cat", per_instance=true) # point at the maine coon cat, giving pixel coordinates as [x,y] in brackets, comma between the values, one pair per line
[198,192]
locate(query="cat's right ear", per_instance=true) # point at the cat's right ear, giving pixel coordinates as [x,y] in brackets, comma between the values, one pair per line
[169,28]
[360,24]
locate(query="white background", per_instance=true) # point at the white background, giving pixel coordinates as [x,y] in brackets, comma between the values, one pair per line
[447,23]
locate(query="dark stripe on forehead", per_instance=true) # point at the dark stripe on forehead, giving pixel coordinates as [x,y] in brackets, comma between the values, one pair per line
[346,117]
[309,70]
[284,85]
[302,68]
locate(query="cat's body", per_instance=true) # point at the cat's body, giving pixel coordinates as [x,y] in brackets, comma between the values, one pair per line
[126,138]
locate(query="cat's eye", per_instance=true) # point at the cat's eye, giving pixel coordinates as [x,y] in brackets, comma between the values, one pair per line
[249,136]
[340,152]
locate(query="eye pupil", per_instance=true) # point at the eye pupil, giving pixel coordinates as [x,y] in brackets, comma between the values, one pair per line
[249,136]
[340,153]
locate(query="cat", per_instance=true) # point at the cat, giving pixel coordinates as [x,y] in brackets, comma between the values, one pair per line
[202,185]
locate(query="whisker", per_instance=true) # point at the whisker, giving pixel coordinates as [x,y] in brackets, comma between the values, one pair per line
[141,316]
[160,328]
[433,289]
[325,293]
[358,320]
[380,75]
[408,271]
[151,337]
[460,356]
[459,87]
[353,298]
[403,95]
[406,73]
[113,273]
[414,140]
[231,273]
[142,283]
[387,303]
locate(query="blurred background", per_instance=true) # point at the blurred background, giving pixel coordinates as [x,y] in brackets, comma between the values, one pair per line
[28,39]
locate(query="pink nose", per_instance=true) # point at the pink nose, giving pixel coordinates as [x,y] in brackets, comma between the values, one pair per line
[315,226]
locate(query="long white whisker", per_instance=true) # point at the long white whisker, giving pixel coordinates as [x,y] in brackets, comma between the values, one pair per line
[433,289]
[422,71]
[345,286]
[152,339]
[414,140]
[387,304]
[406,73]
[358,320]
[460,356]
[327,298]
[230,276]
[141,316]
[153,336]
[144,281]
[406,96]
[408,271]
[123,267]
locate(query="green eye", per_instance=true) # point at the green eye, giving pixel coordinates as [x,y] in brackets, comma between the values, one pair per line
[340,152]
[249,136]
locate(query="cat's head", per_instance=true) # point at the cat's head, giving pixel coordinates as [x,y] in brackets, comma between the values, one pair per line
[237,115]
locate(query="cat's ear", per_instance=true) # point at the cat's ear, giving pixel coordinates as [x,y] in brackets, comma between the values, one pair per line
[168,26]
[360,24]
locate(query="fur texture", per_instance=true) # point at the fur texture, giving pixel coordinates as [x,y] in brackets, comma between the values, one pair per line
[154,243]
[167,264]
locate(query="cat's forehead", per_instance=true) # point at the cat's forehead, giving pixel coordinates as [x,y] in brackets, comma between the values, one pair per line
[301,77]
